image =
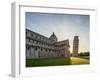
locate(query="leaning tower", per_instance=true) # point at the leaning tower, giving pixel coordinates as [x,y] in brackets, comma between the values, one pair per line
[75,46]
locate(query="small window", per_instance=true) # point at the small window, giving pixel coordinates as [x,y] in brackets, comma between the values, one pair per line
[41,49]
[36,48]
[28,48]
[31,34]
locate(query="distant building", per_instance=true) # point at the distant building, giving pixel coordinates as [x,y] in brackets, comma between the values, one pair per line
[75,46]
[39,46]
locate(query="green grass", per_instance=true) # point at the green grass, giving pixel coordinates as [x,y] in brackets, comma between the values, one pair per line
[85,57]
[47,62]
[76,60]
[56,61]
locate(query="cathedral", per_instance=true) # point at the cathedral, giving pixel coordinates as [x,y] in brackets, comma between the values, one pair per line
[39,46]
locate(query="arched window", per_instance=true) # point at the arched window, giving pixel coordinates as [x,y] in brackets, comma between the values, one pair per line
[35,48]
[28,48]
[41,49]
[31,34]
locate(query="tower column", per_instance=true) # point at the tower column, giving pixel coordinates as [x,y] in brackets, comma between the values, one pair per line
[75,46]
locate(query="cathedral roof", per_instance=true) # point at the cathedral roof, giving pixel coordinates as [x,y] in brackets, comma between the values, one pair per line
[53,37]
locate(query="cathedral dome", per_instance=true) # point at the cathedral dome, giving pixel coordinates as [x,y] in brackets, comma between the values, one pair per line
[53,37]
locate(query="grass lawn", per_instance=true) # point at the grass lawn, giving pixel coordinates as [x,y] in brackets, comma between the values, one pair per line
[47,62]
[56,61]
[76,60]
[85,57]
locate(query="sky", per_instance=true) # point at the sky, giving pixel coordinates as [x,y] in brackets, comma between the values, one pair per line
[65,26]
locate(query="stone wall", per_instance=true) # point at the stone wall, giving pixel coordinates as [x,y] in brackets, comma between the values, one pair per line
[38,46]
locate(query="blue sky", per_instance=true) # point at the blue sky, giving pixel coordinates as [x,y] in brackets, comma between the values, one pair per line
[65,26]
